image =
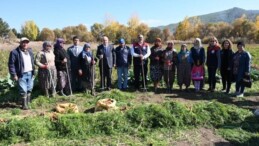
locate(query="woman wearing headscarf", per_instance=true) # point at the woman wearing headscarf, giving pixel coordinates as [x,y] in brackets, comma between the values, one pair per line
[197,54]
[170,61]
[86,68]
[213,62]
[241,67]
[226,64]
[156,63]
[184,67]
[45,60]
[62,64]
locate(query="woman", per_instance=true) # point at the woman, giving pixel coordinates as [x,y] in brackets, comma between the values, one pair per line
[197,53]
[156,63]
[226,63]
[62,64]
[86,68]
[241,67]
[184,67]
[45,60]
[170,61]
[213,62]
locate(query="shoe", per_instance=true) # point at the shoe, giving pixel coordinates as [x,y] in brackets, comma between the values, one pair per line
[236,93]
[240,95]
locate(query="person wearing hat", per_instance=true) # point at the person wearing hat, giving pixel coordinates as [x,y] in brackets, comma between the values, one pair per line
[156,63]
[140,52]
[106,62]
[62,63]
[241,67]
[170,60]
[21,68]
[122,63]
[184,67]
[86,68]
[45,60]
[73,52]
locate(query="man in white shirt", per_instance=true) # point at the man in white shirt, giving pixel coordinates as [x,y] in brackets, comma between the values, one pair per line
[73,53]
[21,68]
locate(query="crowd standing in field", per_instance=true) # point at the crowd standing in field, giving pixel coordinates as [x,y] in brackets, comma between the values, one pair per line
[74,70]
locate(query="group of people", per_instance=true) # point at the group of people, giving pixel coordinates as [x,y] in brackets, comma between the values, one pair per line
[67,70]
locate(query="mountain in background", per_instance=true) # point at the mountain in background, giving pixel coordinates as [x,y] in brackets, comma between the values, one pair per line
[223,16]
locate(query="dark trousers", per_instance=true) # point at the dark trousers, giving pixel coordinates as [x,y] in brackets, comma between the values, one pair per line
[76,80]
[226,78]
[106,76]
[240,87]
[138,72]
[212,77]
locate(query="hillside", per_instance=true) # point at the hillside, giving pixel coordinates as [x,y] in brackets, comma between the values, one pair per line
[223,16]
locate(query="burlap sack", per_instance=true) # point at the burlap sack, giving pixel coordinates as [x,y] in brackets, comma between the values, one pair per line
[66,108]
[105,104]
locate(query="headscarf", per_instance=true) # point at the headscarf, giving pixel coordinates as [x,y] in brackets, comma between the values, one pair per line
[45,44]
[199,43]
[58,42]
[87,53]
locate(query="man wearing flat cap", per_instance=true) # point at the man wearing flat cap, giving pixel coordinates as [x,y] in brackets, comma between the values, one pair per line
[21,68]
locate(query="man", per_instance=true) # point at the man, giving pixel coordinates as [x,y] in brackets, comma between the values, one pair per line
[123,61]
[106,62]
[21,68]
[140,52]
[73,52]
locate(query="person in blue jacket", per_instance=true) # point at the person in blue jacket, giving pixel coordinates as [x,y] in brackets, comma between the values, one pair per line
[241,67]
[21,68]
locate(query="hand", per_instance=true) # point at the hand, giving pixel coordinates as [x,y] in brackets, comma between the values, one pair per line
[156,58]
[64,60]
[141,57]
[44,67]
[80,72]
[101,56]
[168,62]
[93,62]
[15,78]
[115,66]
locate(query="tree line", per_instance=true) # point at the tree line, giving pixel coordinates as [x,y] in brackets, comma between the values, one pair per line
[241,28]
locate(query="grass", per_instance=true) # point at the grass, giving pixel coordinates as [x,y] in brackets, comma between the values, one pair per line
[144,122]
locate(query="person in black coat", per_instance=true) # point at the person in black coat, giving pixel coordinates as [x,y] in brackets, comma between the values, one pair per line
[226,64]
[106,62]
[86,68]
[62,63]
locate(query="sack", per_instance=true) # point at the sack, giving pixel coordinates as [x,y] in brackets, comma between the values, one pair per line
[105,104]
[247,81]
[66,108]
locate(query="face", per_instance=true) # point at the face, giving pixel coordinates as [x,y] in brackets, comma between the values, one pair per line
[76,42]
[140,39]
[240,48]
[87,49]
[196,43]
[213,42]
[158,43]
[105,40]
[48,47]
[226,45]
[183,48]
[24,44]
[170,45]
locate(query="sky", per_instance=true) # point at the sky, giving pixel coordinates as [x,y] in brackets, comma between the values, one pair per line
[61,13]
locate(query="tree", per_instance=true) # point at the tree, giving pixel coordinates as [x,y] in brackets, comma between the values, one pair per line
[112,30]
[153,34]
[133,23]
[183,30]
[143,29]
[257,22]
[30,30]
[123,33]
[4,27]
[46,34]
[11,36]
[97,31]
[166,34]
[58,33]
[70,31]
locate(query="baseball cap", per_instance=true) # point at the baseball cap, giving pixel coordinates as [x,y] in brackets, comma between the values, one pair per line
[121,41]
[23,39]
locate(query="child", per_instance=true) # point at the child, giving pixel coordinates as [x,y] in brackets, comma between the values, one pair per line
[197,75]
[86,71]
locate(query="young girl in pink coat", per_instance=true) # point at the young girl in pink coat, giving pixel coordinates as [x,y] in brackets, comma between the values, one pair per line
[197,75]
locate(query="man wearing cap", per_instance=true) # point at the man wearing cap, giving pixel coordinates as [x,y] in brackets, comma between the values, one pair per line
[106,62]
[122,63]
[21,68]
[140,52]
[73,52]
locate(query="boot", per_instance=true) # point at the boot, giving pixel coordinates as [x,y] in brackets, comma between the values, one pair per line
[92,92]
[24,102]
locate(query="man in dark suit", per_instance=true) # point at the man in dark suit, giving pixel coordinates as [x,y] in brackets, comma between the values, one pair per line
[106,62]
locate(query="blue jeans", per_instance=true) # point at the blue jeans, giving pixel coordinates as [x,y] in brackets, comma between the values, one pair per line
[122,73]
[25,83]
